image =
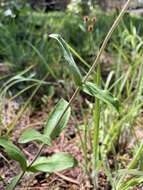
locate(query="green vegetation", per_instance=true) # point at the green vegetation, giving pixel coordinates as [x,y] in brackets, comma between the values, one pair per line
[47,56]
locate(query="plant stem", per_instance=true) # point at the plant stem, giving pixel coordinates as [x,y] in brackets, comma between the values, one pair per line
[35,158]
[107,38]
[96,116]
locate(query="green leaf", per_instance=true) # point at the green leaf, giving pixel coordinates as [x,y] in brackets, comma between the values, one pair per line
[56,162]
[50,128]
[33,135]
[13,152]
[133,182]
[13,182]
[103,95]
[1,178]
[69,58]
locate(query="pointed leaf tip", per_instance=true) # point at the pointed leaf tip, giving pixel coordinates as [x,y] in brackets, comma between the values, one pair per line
[69,58]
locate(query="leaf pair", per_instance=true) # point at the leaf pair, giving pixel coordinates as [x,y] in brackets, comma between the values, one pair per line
[52,128]
[88,88]
[55,163]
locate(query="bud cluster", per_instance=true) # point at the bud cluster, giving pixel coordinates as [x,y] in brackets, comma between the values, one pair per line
[89,22]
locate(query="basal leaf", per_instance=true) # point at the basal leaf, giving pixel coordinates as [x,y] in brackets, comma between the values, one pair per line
[50,128]
[57,162]
[33,135]
[13,152]
[69,58]
[103,95]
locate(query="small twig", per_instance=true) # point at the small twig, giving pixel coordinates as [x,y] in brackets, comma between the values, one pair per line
[28,154]
[67,178]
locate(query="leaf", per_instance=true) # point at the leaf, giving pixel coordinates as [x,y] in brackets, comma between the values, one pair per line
[13,152]
[50,128]
[103,95]
[127,171]
[69,58]
[133,182]
[13,182]
[57,162]
[33,135]
[1,178]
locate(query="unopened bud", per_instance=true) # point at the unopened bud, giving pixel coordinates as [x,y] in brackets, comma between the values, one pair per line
[90,28]
[93,19]
[86,19]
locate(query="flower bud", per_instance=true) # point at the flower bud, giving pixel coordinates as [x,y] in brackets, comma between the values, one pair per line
[90,28]
[93,19]
[86,19]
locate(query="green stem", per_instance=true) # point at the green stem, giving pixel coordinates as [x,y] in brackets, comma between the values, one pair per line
[35,158]
[84,149]
[107,38]
[96,132]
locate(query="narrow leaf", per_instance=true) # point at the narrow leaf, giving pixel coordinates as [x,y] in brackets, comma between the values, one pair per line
[50,128]
[103,95]
[13,152]
[13,183]
[57,162]
[33,135]
[133,182]
[69,58]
